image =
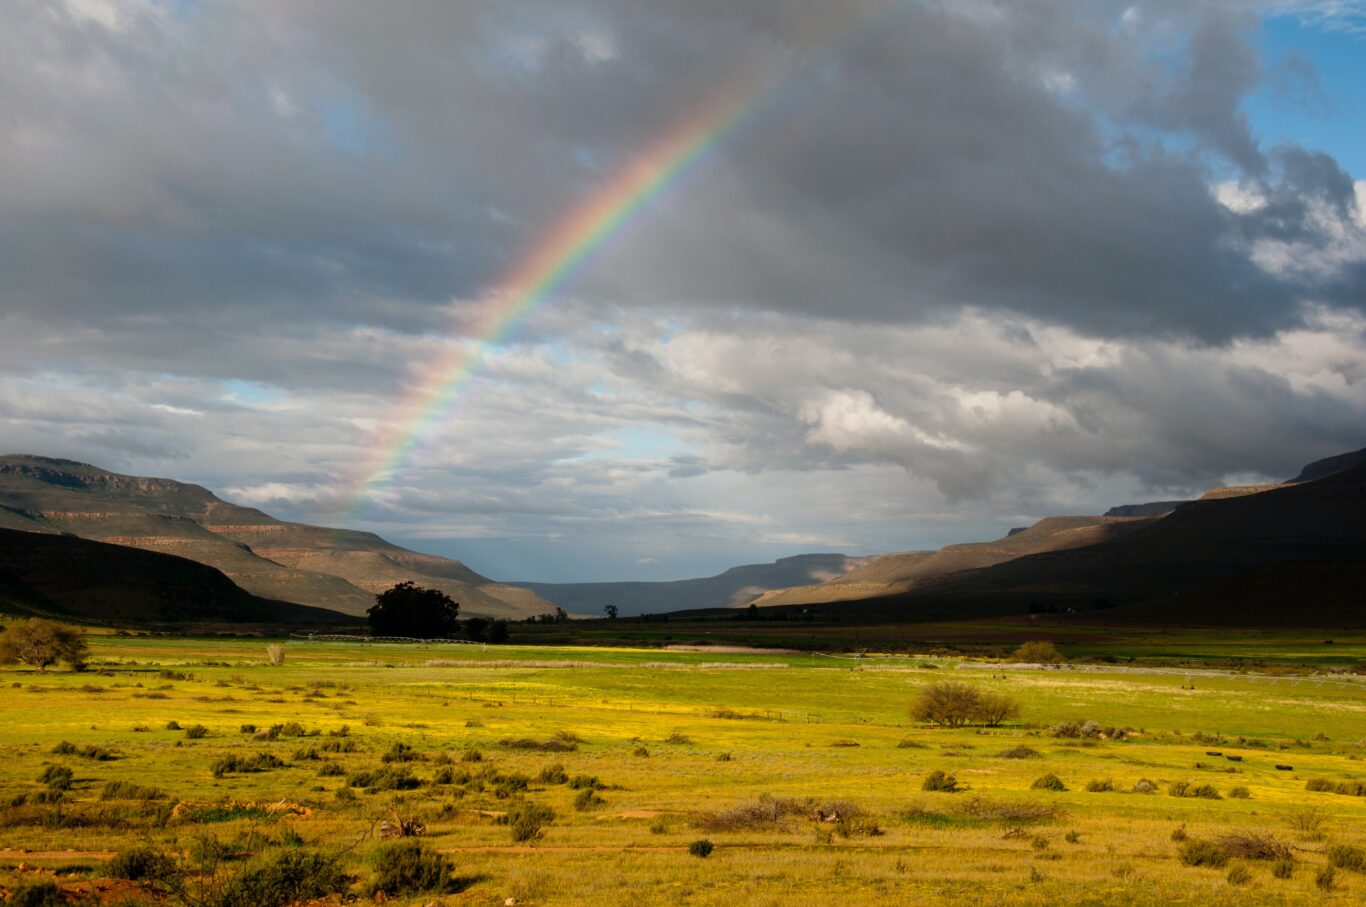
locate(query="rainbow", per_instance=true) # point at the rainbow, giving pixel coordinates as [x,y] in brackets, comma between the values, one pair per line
[562,253]
[567,248]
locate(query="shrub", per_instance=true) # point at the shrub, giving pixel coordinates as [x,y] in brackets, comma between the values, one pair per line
[553,774]
[1253,846]
[56,777]
[197,731]
[408,867]
[641,752]
[1239,793]
[401,752]
[560,743]
[43,893]
[952,703]
[1038,652]
[1283,869]
[526,820]
[1049,781]
[1346,856]
[472,756]
[139,863]
[701,848]
[331,770]
[579,782]
[764,813]
[1326,879]
[127,790]
[390,778]
[1144,786]
[294,875]
[173,725]
[1195,852]
[1238,874]
[678,738]
[275,654]
[64,749]
[587,799]
[1306,820]
[1020,752]
[1097,786]
[941,781]
[257,762]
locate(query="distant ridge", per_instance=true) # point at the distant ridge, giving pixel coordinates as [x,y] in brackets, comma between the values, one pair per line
[733,588]
[1152,508]
[312,565]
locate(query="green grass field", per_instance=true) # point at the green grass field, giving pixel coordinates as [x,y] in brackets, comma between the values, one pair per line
[745,750]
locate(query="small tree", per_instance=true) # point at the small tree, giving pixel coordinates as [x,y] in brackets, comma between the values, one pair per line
[611,611]
[951,703]
[40,643]
[1039,652]
[408,610]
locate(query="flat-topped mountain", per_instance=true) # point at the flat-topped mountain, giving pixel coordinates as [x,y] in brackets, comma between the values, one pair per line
[733,588]
[312,565]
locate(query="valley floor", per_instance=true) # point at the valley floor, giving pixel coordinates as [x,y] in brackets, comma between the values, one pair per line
[754,752]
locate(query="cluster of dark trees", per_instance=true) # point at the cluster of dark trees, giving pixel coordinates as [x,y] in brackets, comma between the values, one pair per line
[558,616]
[412,611]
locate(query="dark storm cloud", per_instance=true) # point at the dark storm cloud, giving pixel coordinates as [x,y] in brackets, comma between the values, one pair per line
[361,163]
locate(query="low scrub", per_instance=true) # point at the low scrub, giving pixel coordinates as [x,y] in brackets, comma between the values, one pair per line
[127,790]
[387,778]
[1346,788]
[1049,781]
[1198,791]
[1253,846]
[257,762]
[527,820]
[553,745]
[408,867]
[140,864]
[1346,856]
[1020,752]
[1195,852]
[941,782]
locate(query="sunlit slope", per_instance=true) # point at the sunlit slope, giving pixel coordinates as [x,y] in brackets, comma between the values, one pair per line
[331,568]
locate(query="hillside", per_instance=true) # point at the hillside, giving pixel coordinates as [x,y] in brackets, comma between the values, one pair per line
[64,576]
[1329,465]
[312,565]
[891,574]
[734,588]
[1196,565]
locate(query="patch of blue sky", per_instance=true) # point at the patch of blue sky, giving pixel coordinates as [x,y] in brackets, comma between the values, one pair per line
[1287,109]
[249,393]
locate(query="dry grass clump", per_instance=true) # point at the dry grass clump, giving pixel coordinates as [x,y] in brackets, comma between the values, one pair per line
[766,812]
[127,790]
[1199,791]
[1346,856]
[1346,788]
[1253,846]
[1307,821]
[1009,813]
[560,742]
[1020,752]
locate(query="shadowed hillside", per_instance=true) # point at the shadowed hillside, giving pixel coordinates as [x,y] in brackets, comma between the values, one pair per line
[330,568]
[734,588]
[895,573]
[63,576]
[1200,565]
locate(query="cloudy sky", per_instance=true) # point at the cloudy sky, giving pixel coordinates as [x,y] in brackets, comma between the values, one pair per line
[944,267]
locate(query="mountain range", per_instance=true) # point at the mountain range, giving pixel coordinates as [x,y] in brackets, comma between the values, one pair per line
[79,540]
[337,569]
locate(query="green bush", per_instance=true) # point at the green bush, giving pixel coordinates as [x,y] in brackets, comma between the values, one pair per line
[701,848]
[554,774]
[56,777]
[141,863]
[526,820]
[941,781]
[294,875]
[408,867]
[1195,852]
[127,790]
[388,778]
[197,731]
[1097,786]
[1346,856]
[1239,793]
[1049,781]
[44,893]
[401,752]
[580,782]
[587,799]
[257,762]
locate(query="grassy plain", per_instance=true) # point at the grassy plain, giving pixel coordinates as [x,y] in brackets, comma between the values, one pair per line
[678,741]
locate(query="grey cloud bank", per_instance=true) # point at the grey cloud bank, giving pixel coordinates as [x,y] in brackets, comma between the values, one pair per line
[968,264]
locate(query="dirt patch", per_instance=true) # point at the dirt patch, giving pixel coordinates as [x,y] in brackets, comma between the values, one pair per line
[23,855]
